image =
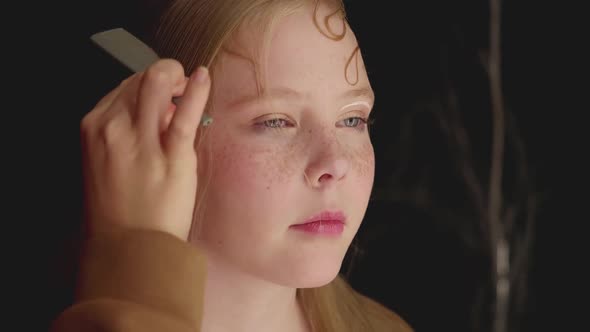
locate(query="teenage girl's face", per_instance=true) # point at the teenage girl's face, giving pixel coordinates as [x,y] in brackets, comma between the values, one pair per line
[301,150]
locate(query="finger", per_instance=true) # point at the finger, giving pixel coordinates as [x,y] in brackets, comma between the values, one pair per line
[125,101]
[182,130]
[155,95]
[90,120]
[107,100]
[107,130]
[166,118]
[117,131]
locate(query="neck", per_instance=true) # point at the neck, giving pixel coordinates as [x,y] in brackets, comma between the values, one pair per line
[236,301]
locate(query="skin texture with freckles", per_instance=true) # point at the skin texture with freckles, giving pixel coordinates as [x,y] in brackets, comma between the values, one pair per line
[265,179]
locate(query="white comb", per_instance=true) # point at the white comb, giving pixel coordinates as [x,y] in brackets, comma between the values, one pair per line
[132,53]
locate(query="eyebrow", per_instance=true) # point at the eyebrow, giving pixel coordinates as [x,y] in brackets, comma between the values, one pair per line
[288,93]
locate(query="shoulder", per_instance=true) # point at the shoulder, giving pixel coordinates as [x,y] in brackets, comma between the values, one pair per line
[378,317]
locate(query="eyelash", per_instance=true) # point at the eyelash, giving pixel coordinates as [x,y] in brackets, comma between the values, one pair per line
[361,123]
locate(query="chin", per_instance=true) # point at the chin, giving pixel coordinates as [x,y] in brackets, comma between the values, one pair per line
[317,280]
[310,273]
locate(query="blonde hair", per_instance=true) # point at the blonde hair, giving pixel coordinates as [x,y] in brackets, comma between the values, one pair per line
[194,32]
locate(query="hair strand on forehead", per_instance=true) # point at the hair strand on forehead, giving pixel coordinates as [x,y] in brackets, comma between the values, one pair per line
[332,35]
[355,57]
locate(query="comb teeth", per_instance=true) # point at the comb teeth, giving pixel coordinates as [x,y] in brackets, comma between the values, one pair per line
[126,48]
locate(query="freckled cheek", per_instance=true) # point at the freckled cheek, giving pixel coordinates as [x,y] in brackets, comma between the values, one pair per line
[246,169]
[362,167]
[233,165]
[363,162]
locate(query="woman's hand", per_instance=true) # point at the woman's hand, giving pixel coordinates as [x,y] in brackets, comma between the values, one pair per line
[139,161]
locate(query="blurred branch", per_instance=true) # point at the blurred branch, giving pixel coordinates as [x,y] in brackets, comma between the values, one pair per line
[501,246]
[502,203]
[454,130]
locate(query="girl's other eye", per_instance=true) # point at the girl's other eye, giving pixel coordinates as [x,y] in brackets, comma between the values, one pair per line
[356,122]
[275,123]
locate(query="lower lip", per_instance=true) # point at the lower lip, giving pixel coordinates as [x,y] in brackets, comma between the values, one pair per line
[323,227]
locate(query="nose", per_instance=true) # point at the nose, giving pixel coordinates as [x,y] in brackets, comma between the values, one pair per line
[328,165]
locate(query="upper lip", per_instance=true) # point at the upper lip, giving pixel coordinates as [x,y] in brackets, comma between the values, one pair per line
[332,215]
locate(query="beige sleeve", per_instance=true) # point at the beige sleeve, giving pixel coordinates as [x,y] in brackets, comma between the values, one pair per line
[137,280]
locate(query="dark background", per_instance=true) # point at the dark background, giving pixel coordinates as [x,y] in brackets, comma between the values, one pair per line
[414,258]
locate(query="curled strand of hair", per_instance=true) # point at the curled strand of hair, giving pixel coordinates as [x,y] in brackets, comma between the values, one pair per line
[353,56]
[331,34]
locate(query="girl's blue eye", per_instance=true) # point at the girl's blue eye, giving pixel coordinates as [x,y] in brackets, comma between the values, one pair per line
[275,123]
[355,122]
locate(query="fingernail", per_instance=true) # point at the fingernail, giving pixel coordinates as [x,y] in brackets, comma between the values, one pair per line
[200,75]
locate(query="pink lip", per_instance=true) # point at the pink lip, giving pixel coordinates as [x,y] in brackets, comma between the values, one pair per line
[326,223]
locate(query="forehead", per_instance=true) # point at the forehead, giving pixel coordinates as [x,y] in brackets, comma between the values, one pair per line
[301,47]
[299,55]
